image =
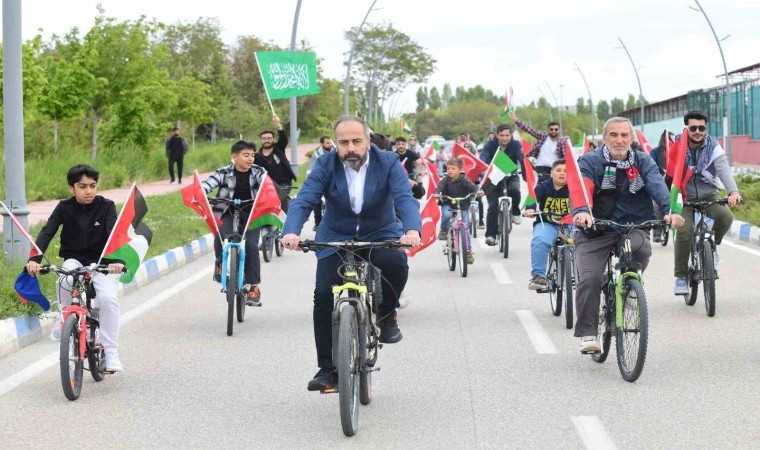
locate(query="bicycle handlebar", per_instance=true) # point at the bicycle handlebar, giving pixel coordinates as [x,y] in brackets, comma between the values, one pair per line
[629,226]
[79,271]
[309,245]
[454,200]
[705,203]
[234,202]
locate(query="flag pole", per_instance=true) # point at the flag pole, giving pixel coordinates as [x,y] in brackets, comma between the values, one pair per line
[197,179]
[266,91]
[123,207]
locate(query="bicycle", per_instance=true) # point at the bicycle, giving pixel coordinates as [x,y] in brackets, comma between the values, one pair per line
[504,222]
[624,306]
[560,271]
[703,251]
[355,333]
[270,236]
[457,239]
[80,334]
[233,262]
[474,223]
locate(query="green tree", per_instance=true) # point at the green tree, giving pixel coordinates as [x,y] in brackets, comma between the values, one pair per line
[617,105]
[631,102]
[446,97]
[580,106]
[435,98]
[194,103]
[422,98]
[603,110]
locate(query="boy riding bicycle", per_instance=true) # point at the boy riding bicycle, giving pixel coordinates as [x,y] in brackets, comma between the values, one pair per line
[87,220]
[455,184]
[240,180]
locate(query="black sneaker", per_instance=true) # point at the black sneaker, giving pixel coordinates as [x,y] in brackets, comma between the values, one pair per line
[324,379]
[389,330]
[218,272]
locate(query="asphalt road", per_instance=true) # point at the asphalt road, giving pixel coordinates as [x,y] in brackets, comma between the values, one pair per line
[483,364]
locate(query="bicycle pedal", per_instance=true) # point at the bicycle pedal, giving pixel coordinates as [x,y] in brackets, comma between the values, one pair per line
[542,291]
[594,352]
[330,390]
[107,372]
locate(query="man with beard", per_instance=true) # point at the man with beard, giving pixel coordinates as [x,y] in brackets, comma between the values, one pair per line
[406,157]
[707,160]
[272,158]
[363,188]
[548,148]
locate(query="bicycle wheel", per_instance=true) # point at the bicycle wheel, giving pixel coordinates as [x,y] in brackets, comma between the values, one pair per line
[694,269]
[500,226]
[462,255]
[279,249]
[450,256]
[473,221]
[555,295]
[665,235]
[96,355]
[365,374]
[507,223]
[708,277]
[240,306]
[568,275]
[72,366]
[267,247]
[604,327]
[631,339]
[348,365]
[232,284]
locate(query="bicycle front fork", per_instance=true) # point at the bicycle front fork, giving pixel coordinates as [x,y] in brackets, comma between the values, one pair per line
[225,263]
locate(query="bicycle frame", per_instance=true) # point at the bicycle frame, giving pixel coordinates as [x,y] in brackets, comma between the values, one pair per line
[233,240]
[702,232]
[79,293]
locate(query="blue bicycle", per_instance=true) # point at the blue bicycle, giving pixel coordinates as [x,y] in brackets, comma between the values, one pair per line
[233,262]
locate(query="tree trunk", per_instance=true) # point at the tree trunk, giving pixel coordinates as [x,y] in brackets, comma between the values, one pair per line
[94,135]
[213,133]
[55,135]
[193,138]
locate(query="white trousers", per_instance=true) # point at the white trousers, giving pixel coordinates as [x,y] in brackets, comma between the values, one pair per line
[105,299]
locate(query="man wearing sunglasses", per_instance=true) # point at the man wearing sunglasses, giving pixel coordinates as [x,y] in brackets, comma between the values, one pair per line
[548,148]
[710,172]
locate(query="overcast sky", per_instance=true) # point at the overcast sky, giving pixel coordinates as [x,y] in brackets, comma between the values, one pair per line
[494,43]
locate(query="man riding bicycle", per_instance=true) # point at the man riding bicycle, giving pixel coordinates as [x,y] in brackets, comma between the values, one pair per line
[625,183]
[363,188]
[707,160]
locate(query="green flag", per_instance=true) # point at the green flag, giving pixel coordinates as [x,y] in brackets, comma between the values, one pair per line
[288,74]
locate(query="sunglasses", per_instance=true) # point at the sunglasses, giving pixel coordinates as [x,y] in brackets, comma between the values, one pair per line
[553,129]
[694,128]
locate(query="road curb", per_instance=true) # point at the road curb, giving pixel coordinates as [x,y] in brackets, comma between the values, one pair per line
[18,332]
[744,232]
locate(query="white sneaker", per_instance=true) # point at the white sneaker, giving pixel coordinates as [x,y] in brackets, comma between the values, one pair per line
[112,361]
[55,333]
[517,220]
[589,344]
[403,300]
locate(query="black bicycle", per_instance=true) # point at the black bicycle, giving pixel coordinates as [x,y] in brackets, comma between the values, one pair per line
[561,271]
[233,262]
[623,310]
[703,253]
[271,242]
[504,222]
[80,334]
[355,332]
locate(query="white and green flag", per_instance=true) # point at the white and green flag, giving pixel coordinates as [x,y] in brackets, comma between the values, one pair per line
[288,74]
[501,166]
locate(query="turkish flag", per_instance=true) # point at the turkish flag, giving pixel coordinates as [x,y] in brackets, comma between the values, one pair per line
[473,167]
[430,215]
[581,189]
[195,198]
[643,142]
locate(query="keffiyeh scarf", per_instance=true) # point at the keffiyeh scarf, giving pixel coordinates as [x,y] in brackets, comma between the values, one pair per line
[635,182]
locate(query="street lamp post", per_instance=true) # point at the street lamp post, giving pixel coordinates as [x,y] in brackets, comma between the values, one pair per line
[351,59]
[638,80]
[727,118]
[588,89]
[293,107]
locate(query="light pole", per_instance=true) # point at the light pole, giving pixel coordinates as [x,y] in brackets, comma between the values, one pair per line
[557,104]
[727,118]
[588,89]
[641,94]
[293,108]
[15,246]
[351,59]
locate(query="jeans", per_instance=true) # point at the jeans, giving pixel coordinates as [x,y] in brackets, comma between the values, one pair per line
[446,215]
[252,271]
[492,216]
[723,218]
[395,271]
[544,236]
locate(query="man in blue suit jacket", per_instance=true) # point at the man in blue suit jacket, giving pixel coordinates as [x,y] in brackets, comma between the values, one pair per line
[363,188]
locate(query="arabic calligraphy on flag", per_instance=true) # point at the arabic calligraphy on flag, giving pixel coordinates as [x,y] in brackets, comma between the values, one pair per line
[288,74]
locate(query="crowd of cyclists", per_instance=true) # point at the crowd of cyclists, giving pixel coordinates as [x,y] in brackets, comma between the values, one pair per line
[358,190]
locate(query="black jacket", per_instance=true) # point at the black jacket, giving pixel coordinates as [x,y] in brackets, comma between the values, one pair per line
[85,229]
[278,153]
[460,187]
[176,147]
[408,159]
[513,150]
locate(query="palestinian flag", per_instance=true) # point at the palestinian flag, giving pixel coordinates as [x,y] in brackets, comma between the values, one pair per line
[430,153]
[35,251]
[501,166]
[266,208]
[404,126]
[130,237]
[507,106]
[676,200]
[679,171]
[531,179]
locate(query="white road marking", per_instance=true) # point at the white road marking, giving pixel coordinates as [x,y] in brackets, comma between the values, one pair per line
[45,362]
[740,247]
[501,273]
[541,341]
[592,433]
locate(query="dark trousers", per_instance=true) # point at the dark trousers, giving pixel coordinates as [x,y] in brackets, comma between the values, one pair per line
[394,269]
[492,216]
[179,160]
[591,260]
[252,272]
[480,209]
[723,218]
